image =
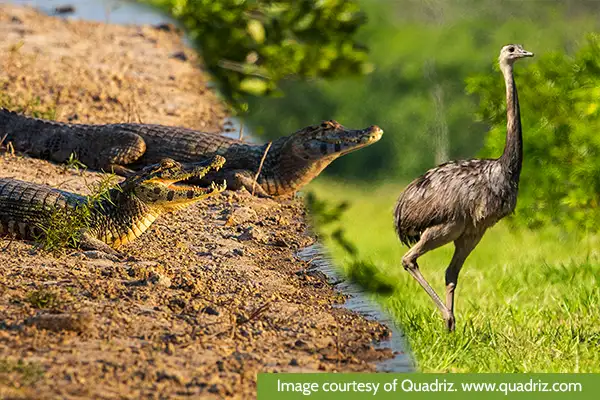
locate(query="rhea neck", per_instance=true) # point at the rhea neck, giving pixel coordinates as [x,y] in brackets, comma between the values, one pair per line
[512,157]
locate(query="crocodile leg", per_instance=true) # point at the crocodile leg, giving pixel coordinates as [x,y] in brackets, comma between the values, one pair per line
[119,170]
[91,243]
[120,149]
[237,179]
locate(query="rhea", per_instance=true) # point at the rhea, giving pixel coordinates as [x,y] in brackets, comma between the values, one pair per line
[459,200]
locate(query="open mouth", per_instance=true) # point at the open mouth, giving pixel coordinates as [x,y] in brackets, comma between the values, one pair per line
[184,183]
[185,186]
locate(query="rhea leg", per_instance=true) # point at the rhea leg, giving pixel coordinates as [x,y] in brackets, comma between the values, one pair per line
[463,246]
[432,238]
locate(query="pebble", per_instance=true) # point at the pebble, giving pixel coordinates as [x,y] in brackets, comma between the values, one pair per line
[252,233]
[210,310]
[76,322]
[242,215]
[159,280]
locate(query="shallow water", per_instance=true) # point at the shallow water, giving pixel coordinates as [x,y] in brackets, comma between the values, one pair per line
[360,302]
[108,11]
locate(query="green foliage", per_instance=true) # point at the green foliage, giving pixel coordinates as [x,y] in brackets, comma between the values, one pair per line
[44,299]
[74,163]
[19,373]
[560,106]
[250,45]
[61,228]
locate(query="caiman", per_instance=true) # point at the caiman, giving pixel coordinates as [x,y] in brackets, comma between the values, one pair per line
[290,162]
[118,217]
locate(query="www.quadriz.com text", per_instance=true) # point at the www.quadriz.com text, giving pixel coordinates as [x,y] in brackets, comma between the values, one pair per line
[435,385]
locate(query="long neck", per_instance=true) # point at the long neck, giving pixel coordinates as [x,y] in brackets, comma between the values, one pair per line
[512,158]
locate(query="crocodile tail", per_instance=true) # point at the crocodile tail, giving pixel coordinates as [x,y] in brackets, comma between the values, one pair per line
[15,124]
[5,118]
[10,120]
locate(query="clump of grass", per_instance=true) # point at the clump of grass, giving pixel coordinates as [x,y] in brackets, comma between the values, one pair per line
[44,299]
[20,373]
[74,163]
[61,228]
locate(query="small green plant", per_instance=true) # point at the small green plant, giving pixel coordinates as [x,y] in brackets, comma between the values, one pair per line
[61,228]
[27,373]
[44,299]
[74,163]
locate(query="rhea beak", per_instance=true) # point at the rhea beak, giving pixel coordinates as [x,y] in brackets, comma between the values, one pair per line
[527,53]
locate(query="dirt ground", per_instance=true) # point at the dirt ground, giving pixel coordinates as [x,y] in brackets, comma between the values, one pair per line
[209,296]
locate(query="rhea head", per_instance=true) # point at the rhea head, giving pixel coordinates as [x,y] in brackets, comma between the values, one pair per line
[512,52]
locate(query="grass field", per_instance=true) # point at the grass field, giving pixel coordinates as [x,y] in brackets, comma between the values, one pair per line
[526,301]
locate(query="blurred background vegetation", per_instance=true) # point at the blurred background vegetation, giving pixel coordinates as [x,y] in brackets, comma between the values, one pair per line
[425,72]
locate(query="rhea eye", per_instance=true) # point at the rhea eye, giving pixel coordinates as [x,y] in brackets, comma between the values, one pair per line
[511,49]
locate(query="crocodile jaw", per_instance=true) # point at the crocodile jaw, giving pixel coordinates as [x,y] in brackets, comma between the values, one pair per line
[183,196]
[353,140]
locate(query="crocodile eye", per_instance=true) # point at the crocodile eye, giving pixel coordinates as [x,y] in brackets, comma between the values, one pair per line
[167,163]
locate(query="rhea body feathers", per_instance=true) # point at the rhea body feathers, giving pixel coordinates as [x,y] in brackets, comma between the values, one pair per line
[477,193]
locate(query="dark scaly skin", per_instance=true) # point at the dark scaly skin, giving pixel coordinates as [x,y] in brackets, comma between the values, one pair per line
[129,209]
[290,163]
